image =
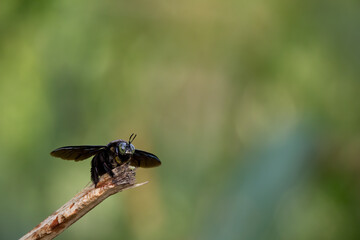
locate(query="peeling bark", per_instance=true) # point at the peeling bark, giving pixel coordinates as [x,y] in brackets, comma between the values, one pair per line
[83,202]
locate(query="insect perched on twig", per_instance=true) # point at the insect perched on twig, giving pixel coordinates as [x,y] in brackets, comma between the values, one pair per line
[108,157]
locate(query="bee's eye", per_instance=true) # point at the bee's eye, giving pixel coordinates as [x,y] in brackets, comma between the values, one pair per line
[122,148]
[132,148]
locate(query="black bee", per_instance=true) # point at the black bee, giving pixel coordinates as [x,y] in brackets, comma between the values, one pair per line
[108,157]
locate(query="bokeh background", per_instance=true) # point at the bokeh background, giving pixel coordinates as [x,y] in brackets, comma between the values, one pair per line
[252,106]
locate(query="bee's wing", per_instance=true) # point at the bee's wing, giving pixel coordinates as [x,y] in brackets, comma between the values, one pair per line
[144,159]
[76,153]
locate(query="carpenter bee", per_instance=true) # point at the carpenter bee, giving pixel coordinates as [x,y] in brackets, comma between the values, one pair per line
[108,157]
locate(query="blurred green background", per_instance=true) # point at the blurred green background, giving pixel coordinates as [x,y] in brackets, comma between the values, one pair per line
[252,106]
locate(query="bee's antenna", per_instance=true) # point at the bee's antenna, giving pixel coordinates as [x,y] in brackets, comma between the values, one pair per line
[132,137]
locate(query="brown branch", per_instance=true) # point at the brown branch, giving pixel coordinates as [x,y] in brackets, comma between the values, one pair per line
[83,202]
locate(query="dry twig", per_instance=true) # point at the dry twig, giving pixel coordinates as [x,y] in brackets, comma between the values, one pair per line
[82,203]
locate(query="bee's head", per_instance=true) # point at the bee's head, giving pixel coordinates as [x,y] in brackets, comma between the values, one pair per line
[126,148]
